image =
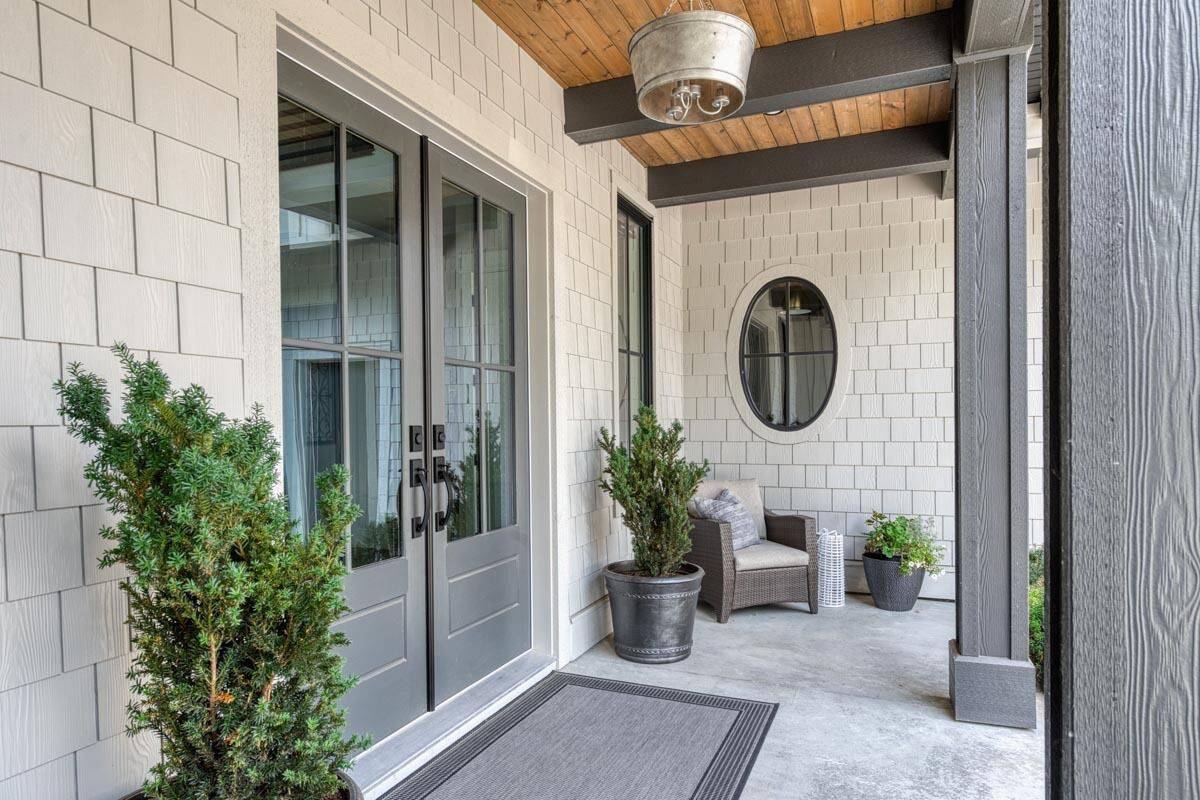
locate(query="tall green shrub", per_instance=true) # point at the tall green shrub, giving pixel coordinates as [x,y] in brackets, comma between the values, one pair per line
[230,606]
[1037,611]
[653,483]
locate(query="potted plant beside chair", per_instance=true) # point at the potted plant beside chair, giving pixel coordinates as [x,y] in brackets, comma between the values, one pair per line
[899,553]
[230,606]
[653,596]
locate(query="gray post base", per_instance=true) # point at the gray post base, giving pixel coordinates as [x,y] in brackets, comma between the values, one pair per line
[995,691]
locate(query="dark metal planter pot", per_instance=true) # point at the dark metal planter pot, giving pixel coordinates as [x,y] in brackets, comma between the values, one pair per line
[351,791]
[653,618]
[891,590]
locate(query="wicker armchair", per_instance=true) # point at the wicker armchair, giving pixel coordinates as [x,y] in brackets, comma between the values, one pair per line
[780,569]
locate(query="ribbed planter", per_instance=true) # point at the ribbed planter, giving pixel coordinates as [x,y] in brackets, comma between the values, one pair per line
[653,618]
[349,791]
[891,590]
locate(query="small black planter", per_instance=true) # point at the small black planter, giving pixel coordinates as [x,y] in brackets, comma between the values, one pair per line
[653,618]
[891,590]
[350,790]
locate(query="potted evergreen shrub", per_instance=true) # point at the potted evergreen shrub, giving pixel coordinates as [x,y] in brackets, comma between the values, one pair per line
[653,596]
[230,606]
[898,554]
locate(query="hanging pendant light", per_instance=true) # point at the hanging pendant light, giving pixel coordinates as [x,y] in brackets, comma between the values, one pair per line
[691,67]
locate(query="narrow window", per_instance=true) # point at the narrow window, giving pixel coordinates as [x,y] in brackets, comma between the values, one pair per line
[634,320]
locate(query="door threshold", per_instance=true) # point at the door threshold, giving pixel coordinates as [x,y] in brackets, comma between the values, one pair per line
[387,763]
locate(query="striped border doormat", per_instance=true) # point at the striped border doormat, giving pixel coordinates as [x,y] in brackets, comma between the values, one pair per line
[575,737]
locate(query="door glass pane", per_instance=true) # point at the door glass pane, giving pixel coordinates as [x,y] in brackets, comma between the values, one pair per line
[376,458]
[372,251]
[810,379]
[622,281]
[764,384]
[312,424]
[458,259]
[462,451]
[501,448]
[497,285]
[308,224]
[636,396]
[623,394]
[633,245]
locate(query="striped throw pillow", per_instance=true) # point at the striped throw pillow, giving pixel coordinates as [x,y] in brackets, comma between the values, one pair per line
[727,508]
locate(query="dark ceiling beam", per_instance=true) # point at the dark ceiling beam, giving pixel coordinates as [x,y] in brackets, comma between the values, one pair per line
[904,151]
[877,58]
[994,25]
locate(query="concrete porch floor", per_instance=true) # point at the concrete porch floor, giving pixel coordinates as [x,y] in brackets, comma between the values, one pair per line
[863,712]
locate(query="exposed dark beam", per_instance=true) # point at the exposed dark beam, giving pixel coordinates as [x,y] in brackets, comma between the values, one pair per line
[877,58]
[992,25]
[904,151]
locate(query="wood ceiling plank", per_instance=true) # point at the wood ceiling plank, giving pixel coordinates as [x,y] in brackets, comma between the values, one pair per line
[892,109]
[682,144]
[760,130]
[888,10]
[563,36]
[612,21]
[636,12]
[802,124]
[662,146]
[720,138]
[913,8]
[642,151]
[857,13]
[764,16]
[735,7]
[781,128]
[826,16]
[524,30]
[700,140]
[870,118]
[797,19]
[939,102]
[916,105]
[740,134]
[824,120]
[845,114]
[578,19]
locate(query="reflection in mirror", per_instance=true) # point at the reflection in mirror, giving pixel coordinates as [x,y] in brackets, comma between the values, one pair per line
[373,305]
[462,452]
[500,445]
[497,285]
[459,250]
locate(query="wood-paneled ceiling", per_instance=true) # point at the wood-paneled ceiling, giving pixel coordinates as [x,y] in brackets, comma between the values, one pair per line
[882,111]
[584,41]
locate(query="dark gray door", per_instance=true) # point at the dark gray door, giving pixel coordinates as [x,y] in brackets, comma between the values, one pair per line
[354,372]
[479,549]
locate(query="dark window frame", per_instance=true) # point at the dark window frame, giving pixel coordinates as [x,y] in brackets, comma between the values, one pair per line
[785,354]
[637,217]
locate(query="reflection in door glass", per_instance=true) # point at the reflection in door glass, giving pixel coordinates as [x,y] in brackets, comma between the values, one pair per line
[459,251]
[462,452]
[376,458]
[373,306]
[500,448]
[308,224]
[497,285]
[312,423]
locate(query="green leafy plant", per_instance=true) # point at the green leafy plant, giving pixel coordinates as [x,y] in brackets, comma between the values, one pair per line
[1037,611]
[653,483]
[908,538]
[230,606]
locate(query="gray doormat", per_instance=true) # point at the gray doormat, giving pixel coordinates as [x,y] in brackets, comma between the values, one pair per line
[575,737]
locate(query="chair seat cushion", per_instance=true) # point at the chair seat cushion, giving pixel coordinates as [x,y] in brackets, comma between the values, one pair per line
[769,555]
[727,509]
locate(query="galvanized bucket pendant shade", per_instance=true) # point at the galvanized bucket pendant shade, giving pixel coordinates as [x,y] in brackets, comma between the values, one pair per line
[691,67]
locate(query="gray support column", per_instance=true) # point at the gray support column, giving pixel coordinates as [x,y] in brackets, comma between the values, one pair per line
[991,677]
[1122,147]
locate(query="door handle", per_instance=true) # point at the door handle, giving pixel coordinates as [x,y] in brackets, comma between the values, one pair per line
[443,474]
[419,478]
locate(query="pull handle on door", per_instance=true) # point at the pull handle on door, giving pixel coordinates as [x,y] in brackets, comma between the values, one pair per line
[418,478]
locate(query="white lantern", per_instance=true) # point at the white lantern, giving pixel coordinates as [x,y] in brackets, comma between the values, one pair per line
[691,67]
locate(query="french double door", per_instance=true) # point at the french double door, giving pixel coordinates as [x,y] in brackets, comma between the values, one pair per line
[404,353]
